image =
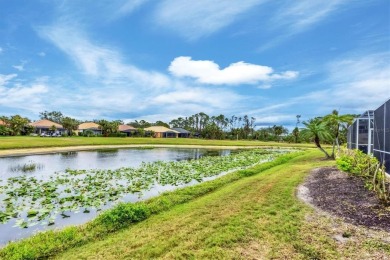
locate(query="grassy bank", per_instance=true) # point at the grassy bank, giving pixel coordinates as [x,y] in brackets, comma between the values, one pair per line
[18,142]
[241,215]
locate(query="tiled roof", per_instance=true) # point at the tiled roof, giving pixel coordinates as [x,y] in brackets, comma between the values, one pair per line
[44,123]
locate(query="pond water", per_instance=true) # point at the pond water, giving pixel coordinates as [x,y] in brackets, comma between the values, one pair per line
[46,165]
[42,167]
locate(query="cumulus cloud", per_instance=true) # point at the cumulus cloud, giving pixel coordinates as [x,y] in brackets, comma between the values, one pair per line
[131,90]
[208,72]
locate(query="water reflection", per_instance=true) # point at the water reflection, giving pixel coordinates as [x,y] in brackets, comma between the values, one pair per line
[101,159]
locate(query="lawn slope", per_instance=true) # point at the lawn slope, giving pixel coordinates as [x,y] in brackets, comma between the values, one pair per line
[255,217]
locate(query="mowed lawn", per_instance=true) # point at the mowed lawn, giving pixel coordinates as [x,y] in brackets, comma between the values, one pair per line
[257,217]
[17,142]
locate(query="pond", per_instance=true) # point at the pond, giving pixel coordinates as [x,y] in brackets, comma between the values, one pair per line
[41,192]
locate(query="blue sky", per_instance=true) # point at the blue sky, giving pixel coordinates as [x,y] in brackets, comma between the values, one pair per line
[158,60]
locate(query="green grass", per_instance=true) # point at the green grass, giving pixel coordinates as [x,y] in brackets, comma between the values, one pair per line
[17,142]
[243,215]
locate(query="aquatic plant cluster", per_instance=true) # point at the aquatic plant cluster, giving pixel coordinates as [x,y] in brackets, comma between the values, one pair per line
[32,201]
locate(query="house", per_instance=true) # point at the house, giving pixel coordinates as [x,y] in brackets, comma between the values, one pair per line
[45,126]
[162,132]
[2,122]
[126,129]
[182,132]
[91,126]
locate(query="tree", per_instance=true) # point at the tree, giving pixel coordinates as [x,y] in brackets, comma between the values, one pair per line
[109,127]
[161,123]
[4,130]
[17,123]
[278,131]
[336,123]
[316,130]
[295,133]
[53,128]
[69,124]
[55,116]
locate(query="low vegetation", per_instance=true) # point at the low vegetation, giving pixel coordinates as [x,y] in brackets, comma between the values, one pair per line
[367,167]
[53,242]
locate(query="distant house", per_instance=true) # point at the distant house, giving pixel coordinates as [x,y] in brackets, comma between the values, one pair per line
[126,129]
[162,132]
[2,122]
[182,132]
[45,126]
[95,128]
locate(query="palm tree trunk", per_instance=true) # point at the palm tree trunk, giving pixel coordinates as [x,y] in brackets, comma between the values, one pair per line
[317,142]
[333,148]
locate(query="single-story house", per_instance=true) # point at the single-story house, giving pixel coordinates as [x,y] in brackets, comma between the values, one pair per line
[126,129]
[162,132]
[182,132]
[95,128]
[45,126]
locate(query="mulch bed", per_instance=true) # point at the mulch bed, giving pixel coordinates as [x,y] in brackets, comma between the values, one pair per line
[345,196]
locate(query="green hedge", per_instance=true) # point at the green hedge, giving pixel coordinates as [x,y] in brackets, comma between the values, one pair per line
[50,243]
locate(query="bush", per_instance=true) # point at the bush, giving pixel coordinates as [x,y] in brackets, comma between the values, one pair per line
[122,216]
[367,167]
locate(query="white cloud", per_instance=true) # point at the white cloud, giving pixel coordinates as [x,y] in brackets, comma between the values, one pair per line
[4,79]
[274,119]
[297,16]
[42,54]
[21,66]
[1,50]
[129,6]
[194,19]
[361,81]
[300,15]
[208,72]
[120,87]
[100,61]
[22,96]
[201,96]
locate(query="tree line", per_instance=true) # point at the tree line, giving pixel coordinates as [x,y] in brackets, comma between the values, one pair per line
[329,129]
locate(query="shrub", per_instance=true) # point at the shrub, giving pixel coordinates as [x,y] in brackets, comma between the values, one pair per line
[367,167]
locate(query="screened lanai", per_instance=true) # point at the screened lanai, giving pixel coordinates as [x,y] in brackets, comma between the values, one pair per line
[360,133]
[381,134]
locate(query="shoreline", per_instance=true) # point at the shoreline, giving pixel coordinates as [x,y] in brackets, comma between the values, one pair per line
[50,150]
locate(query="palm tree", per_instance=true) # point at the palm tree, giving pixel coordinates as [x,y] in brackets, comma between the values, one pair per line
[336,123]
[317,130]
[295,133]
